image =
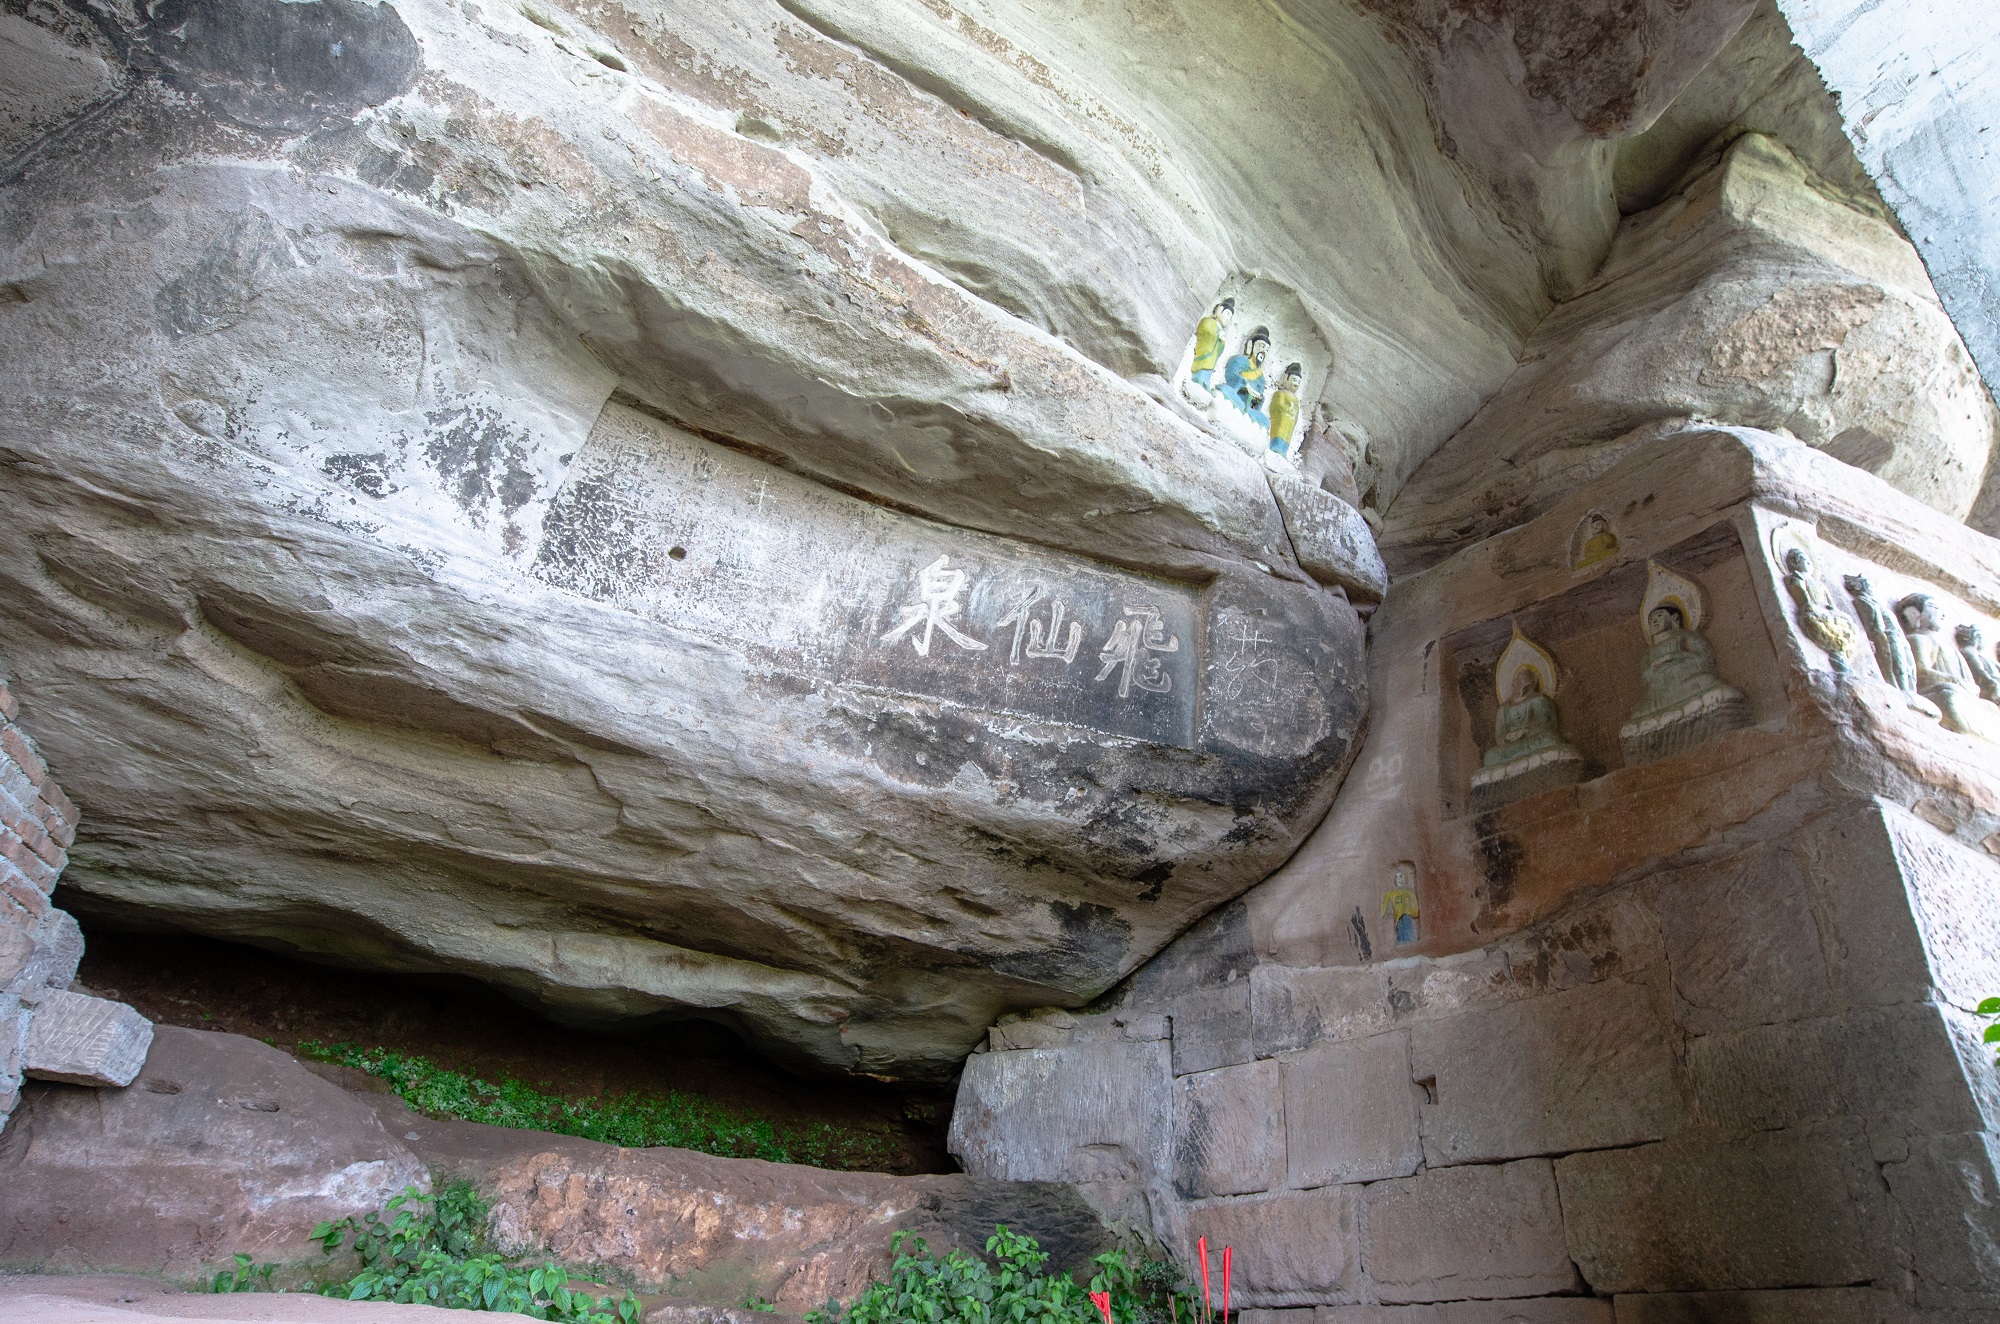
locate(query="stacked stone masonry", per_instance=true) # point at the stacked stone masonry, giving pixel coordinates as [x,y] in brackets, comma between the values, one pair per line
[45,1030]
[1690,1040]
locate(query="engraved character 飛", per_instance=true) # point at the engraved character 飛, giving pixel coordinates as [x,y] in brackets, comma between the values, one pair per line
[1142,632]
[938,587]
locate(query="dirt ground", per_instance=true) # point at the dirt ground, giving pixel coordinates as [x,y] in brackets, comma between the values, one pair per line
[465,1026]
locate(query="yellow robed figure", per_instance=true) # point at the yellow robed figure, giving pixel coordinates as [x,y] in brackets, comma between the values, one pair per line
[1208,340]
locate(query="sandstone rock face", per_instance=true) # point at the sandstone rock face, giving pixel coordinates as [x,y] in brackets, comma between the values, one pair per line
[1755,295]
[223,1145]
[227,1146]
[118,1299]
[1694,1036]
[82,1040]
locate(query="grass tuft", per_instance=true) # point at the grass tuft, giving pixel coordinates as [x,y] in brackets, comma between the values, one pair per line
[635,1121]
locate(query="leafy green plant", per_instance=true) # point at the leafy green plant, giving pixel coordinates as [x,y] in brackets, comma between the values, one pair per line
[962,1288]
[245,1277]
[634,1121]
[431,1250]
[1991,1007]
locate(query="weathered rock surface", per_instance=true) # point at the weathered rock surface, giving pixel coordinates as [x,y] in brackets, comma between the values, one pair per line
[1755,295]
[82,1040]
[223,1145]
[113,1299]
[227,1146]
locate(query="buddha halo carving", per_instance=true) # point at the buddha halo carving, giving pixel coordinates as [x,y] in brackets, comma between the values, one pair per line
[1822,621]
[1891,646]
[1594,541]
[1529,753]
[1942,676]
[1683,701]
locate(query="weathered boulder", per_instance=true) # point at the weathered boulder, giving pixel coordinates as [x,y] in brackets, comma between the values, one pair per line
[222,1146]
[228,1146]
[1756,295]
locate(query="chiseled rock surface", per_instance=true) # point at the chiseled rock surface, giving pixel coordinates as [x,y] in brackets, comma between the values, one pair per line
[82,1040]
[222,1146]
[1757,295]
[379,610]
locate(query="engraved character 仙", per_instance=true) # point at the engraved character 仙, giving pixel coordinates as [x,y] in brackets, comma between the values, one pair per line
[1050,644]
[1142,632]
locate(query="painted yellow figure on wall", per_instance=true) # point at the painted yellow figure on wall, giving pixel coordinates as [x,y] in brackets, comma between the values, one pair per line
[1285,408]
[1208,338]
[1399,904]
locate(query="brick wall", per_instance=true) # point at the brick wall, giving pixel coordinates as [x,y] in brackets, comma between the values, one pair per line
[39,944]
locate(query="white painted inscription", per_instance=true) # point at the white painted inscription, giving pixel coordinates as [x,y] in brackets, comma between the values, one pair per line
[938,587]
[1141,633]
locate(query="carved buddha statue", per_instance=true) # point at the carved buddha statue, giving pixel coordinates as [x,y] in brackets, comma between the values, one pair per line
[1682,700]
[1528,753]
[1941,673]
[1525,724]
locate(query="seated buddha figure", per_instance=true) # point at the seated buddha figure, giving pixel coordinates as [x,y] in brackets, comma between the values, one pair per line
[1528,753]
[1682,700]
[1524,724]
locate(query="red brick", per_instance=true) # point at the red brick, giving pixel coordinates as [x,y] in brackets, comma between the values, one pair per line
[58,827]
[22,750]
[64,807]
[29,863]
[9,710]
[15,782]
[29,897]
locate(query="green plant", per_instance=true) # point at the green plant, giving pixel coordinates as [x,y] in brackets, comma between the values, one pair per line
[245,1277]
[759,1303]
[431,1250]
[1991,1007]
[962,1288]
[634,1121]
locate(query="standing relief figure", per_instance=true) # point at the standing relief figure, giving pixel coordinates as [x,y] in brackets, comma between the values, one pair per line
[1529,753]
[1942,676]
[1892,650]
[1973,649]
[1684,701]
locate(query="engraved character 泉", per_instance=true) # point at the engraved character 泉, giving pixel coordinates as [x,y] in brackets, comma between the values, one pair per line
[1040,643]
[938,587]
[1143,631]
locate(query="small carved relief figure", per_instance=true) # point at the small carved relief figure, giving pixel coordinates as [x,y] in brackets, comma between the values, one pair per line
[1684,701]
[1941,674]
[1208,343]
[1285,409]
[1399,904]
[1973,649]
[1529,753]
[1595,541]
[1243,376]
[1822,622]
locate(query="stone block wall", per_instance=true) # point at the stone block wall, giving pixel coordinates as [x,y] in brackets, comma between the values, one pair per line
[1691,1040]
[45,1030]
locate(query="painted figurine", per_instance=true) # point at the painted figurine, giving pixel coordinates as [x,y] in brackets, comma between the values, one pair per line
[1984,674]
[1208,342]
[1599,542]
[1399,904]
[1528,753]
[1285,408]
[1243,376]
[1682,700]
[1822,622]
[1941,674]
